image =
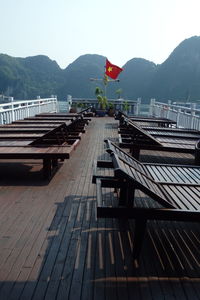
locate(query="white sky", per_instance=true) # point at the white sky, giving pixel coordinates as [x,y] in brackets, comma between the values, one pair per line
[118,29]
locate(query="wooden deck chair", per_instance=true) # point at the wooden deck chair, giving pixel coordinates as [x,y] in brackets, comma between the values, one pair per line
[177,201]
[142,140]
[158,172]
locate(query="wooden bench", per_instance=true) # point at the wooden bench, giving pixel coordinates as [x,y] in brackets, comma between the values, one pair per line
[174,201]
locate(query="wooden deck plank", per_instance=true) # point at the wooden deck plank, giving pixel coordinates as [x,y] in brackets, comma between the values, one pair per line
[52,246]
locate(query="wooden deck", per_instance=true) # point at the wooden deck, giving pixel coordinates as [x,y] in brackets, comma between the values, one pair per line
[53,247]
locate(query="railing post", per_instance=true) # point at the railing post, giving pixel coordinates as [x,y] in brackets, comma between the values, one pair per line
[12,108]
[56,106]
[27,110]
[138,105]
[151,107]
[168,109]
[192,119]
[69,102]
[1,114]
[178,117]
[39,107]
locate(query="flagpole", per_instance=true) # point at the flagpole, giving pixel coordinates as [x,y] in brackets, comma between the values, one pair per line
[105,81]
[105,84]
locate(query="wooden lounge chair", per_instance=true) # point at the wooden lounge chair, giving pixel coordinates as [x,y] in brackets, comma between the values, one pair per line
[85,113]
[148,121]
[32,133]
[141,139]
[197,152]
[158,172]
[49,154]
[77,122]
[58,136]
[173,201]
[165,132]
[132,129]
[53,146]
[74,124]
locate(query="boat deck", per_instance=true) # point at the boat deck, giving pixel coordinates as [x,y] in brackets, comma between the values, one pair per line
[53,247]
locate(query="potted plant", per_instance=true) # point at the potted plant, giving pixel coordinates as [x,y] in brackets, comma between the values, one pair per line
[111,109]
[73,108]
[102,101]
[125,107]
[79,106]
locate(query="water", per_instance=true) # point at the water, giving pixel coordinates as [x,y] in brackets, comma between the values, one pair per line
[63,106]
[144,109]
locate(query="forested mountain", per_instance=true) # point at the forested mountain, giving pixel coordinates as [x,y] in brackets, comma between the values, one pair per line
[177,78]
[136,77]
[25,78]
[77,76]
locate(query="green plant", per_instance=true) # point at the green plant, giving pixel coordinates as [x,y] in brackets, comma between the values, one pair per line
[102,100]
[111,110]
[111,105]
[73,108]
[84,105]
[125,106]
[74,104]
[79,104]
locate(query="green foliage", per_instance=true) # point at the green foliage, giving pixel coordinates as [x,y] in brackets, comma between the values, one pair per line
[79,104]
[25,78]
[98,91]
[125,106]
[102,100]
[111,105]
[74,104]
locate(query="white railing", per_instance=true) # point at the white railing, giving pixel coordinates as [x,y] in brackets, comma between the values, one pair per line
[133,105]
[17,110]
[187,117]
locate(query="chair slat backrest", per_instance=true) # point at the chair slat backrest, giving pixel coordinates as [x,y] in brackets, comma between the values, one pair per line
[55,135]
[140,180]
[141,131]
[113,148]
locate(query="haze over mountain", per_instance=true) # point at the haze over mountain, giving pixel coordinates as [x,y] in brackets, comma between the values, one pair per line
[177,78]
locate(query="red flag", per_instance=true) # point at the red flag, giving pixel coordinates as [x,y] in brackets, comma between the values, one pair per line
[111,70]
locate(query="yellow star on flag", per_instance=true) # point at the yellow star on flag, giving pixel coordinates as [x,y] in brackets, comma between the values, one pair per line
[110,69]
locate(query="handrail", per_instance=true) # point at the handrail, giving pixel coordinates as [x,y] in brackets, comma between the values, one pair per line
[16,110]
[187,117]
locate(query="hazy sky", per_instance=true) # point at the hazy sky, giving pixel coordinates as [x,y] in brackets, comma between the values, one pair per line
[118,29]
